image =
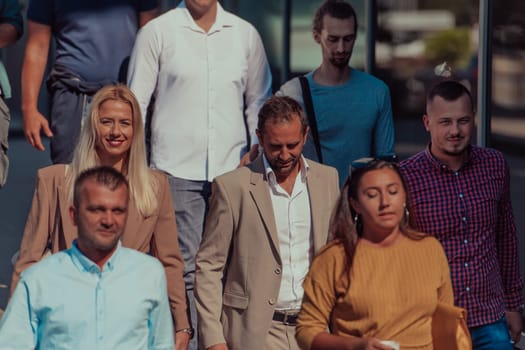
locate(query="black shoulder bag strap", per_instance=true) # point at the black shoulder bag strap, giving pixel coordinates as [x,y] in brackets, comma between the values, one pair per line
[309,106]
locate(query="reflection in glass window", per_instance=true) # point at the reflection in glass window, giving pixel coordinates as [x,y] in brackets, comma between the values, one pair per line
[420,42]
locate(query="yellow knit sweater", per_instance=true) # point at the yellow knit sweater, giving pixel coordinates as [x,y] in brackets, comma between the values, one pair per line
[393,292]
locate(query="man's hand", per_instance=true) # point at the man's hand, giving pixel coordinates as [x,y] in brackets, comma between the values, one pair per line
[182,340]
[33,123]
[249,156]
[222,346]
[35,60]
[515,324]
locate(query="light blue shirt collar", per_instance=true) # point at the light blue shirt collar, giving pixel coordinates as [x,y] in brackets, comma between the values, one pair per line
[83,263]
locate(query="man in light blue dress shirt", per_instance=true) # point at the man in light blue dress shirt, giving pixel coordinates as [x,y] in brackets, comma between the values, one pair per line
[98,294]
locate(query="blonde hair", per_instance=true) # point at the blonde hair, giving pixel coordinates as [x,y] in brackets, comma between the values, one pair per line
[142,184]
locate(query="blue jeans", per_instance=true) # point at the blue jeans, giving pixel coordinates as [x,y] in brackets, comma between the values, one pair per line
[190,199]
[494,336]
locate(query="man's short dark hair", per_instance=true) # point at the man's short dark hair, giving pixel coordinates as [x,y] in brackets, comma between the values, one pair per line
[102,175]
[278,109]
[334,8]
[449,90]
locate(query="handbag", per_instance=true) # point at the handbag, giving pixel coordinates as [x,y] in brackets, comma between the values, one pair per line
[449,328]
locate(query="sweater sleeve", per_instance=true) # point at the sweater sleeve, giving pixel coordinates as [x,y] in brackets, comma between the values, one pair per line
[445,293]
[319,295]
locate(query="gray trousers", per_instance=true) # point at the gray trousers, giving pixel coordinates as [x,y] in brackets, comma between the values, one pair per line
[281,337]
[190,199]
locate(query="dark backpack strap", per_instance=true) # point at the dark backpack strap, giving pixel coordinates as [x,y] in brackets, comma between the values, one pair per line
[309,106]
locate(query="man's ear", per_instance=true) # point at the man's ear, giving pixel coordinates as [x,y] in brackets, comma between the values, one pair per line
[259,136]
[305,136]
[317,36]
[73,214]
[426,121]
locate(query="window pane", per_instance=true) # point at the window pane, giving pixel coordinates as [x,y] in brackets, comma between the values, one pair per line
[416,43]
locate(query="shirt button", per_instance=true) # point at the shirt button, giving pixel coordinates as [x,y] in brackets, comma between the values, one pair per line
[456,173]
[277,271]
[271,301]
[464,218]
[465,241]
[461,195]
[467,289]
[466,264]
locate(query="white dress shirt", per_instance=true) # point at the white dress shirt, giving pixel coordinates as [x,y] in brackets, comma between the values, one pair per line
[208,89]
[293,221]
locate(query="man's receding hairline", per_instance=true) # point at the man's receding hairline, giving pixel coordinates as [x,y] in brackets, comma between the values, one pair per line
[351,18]
[283,120]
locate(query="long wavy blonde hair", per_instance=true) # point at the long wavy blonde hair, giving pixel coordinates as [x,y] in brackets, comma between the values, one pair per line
[142,184]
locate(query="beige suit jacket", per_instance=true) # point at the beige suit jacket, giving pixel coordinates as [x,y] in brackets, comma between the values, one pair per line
[49,223]
[240,251]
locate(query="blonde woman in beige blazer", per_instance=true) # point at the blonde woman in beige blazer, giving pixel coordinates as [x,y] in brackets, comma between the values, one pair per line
[112,135]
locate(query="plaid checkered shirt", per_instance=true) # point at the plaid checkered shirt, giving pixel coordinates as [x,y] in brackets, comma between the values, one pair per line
[470,212]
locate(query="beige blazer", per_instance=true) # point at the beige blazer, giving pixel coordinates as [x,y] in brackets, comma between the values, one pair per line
[49,223]
[240,245]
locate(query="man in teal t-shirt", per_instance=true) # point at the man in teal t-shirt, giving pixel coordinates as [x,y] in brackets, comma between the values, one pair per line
[352,108]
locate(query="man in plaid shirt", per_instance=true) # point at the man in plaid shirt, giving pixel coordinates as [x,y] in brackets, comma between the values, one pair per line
[460,194]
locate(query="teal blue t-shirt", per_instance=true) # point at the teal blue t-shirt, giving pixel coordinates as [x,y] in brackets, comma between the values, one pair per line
[354,121]
[93,38]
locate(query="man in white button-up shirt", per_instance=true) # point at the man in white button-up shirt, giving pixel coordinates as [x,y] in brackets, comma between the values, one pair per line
[208,74]
[266,222]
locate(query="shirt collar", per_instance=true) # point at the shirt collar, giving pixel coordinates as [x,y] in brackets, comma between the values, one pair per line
[221,19]
[436,163]
[270,175]
[85,264]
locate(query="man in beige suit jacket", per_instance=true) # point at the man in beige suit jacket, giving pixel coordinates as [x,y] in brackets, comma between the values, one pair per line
[265,223]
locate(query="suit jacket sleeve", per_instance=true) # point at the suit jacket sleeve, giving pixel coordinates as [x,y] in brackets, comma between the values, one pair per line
[165,247]
[210,265]
[445,292]
[40,223]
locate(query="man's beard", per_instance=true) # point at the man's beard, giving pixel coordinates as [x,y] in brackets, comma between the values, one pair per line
[278,169]
[340,62]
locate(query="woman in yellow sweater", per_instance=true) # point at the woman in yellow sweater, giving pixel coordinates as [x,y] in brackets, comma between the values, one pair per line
[378,280]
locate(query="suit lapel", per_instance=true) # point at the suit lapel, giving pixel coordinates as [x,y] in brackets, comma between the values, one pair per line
[315,192]
[261,196]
